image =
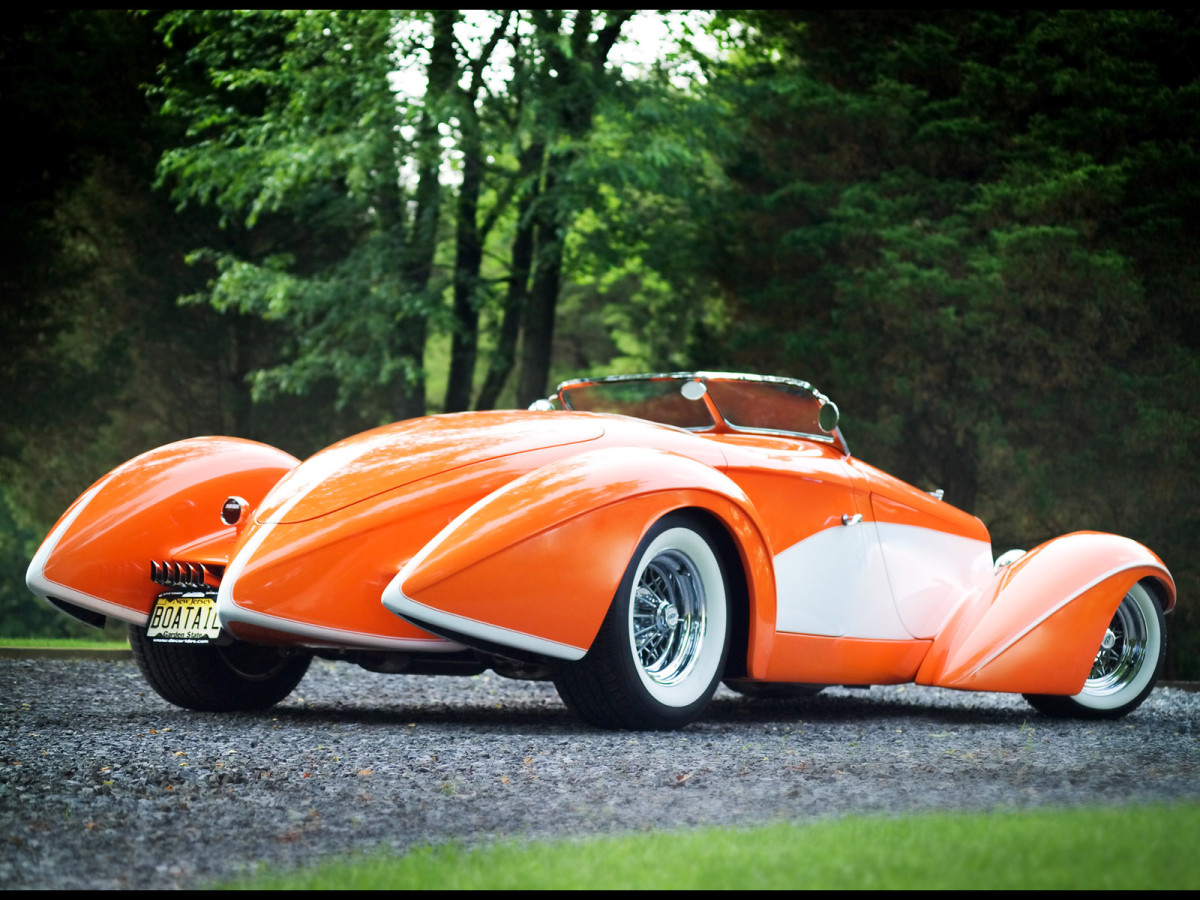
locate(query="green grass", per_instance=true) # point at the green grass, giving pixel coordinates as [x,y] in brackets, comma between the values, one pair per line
[63,643]
[1139,848]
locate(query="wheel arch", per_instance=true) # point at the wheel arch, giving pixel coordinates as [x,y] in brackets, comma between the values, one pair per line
[496,573]
[1036,627]
[736,585]
[664,642]
[1163,591]
[1127,665]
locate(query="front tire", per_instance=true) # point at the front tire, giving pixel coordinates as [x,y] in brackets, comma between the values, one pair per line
[1126,666]
[215,678]
[661,649]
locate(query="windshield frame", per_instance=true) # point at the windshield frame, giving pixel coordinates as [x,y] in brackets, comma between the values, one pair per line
[721,422]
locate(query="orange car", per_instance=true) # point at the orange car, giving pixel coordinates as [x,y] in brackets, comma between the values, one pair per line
[637,539]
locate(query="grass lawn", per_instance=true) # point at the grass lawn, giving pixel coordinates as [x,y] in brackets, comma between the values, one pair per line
[1138,848]
[63,643]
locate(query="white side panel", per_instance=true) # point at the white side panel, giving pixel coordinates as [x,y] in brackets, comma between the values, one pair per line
[877,580]
[931,573]
[834,584]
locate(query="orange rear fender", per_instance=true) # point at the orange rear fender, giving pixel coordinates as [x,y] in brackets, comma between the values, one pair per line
[162,505]
[534,565]
[1036,628]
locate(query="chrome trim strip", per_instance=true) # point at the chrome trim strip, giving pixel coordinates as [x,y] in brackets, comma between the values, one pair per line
[663,376]
[829,437]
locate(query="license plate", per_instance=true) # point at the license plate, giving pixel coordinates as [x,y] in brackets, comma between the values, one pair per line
[184,619]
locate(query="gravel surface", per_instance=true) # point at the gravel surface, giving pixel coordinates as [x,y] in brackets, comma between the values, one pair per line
[105,786]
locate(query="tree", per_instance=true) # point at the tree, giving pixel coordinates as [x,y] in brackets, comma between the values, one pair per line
[973,229]
[91,374]
[571,77]
[294,128]
[470,231]
[101,362]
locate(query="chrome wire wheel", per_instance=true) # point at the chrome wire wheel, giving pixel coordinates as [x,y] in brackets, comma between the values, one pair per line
[661,649]
[677,617]
[1126,666]
[667,618]
[1130,654]
[1122,651]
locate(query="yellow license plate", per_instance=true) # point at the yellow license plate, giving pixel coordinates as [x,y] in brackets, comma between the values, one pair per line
[185,619]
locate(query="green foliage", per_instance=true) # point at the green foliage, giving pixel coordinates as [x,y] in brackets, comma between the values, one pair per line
[102,362]
[293,127]
[277,101]
[296,129]
[973,229]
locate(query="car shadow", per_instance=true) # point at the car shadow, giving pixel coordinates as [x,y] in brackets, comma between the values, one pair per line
[840,708]
[723,710]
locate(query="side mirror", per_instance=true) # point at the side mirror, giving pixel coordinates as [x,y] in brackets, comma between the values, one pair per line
[828,416]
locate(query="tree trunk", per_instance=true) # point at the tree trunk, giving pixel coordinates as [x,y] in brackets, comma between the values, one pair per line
[538,329]
[468,259]
[571,85]
[469,250]
[418,262]
[505,354]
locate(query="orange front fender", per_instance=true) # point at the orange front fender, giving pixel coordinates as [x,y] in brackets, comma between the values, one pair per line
[534,565]
[1036,628]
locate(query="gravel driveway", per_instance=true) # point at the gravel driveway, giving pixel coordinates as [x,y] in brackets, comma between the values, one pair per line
[105,786]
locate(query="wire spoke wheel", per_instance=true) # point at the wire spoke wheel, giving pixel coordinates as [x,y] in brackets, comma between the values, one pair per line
[667,618]
[1122,652]
[661,651]
[1126,666]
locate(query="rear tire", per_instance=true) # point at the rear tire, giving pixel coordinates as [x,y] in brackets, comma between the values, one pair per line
[214,678]
[1127,664]
[661,649]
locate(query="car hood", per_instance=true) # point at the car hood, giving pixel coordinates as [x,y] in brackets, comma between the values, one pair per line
[392,456]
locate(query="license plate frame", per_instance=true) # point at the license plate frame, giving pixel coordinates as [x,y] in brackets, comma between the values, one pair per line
[184,617]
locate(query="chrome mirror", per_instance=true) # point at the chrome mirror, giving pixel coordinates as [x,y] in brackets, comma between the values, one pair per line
[828,416]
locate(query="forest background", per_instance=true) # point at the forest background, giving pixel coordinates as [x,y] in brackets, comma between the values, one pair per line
[975,230]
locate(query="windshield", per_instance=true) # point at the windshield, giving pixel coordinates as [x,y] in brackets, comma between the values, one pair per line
[742,402]
[654,399]
[766,406]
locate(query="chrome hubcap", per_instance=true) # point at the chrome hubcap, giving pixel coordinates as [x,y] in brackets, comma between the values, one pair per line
[1122,651]
[668,617]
